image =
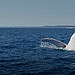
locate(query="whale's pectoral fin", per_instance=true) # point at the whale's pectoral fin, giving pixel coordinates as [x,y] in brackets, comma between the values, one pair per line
[71,44]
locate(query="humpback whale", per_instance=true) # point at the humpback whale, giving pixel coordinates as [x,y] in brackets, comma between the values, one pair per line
[56,44]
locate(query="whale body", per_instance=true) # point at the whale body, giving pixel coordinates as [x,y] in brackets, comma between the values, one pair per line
[52,43]
[56,44]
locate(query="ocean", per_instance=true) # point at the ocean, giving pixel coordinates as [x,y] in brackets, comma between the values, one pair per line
[21,54]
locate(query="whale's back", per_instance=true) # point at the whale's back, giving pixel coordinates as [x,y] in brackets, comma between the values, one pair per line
[52,43]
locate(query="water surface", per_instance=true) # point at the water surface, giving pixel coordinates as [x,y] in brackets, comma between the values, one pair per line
[20,52]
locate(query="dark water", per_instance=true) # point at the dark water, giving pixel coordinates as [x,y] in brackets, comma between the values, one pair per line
[21,54]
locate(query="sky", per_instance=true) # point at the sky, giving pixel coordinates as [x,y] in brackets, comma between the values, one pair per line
[37,12]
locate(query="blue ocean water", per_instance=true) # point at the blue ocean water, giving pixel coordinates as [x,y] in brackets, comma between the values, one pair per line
[21,54]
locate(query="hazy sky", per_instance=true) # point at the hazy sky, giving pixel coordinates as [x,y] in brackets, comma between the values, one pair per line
[36,12]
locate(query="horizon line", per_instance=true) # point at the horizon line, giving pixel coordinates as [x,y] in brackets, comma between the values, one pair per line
[37,25]
[23,26]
